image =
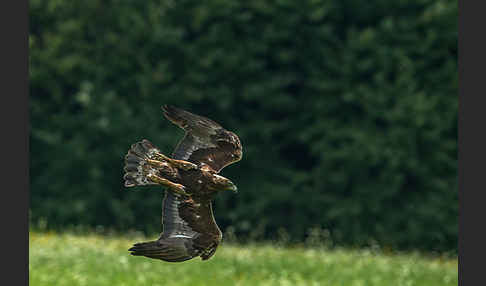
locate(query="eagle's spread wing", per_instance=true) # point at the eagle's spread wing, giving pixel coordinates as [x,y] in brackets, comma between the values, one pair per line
[176,241]
[188,231]
[173,225]
[205,141]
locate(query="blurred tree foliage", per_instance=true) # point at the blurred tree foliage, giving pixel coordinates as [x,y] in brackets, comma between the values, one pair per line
[347,111]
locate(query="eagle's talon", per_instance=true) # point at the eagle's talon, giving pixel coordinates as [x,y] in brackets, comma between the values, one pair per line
[180,189]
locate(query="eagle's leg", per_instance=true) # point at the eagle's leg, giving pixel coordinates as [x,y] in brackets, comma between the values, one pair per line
[180,164]
[164,168]
[157,164]
[178,188]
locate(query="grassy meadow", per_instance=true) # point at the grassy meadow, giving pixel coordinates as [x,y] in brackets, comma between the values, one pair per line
[91,259]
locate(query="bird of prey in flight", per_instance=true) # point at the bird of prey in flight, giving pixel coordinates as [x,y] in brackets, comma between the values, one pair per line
[191,179]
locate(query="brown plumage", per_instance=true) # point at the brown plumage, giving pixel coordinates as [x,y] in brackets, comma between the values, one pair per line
[191,180]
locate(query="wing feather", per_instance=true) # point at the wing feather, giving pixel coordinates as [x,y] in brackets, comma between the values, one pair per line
[167,249]
[172,223]
[205,141]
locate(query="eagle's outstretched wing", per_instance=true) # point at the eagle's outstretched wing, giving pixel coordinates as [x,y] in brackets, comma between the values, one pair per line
[188,231]
[176,241]
[205,141]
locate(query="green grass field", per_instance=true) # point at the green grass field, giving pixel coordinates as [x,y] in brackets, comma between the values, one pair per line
[67,259]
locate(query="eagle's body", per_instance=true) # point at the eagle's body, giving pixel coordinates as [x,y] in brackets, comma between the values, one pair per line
[192,181]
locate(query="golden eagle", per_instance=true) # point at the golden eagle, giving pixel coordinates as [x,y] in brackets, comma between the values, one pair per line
[191,180]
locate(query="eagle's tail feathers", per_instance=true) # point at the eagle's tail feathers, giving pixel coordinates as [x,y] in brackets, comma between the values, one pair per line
[136,167]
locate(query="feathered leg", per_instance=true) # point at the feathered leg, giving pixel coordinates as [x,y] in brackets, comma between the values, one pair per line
[180,164]
[178,188]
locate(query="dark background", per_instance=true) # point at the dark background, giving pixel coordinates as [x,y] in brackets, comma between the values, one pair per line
[347,111]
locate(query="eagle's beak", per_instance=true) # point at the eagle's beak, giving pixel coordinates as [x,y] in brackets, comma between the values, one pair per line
[233,188]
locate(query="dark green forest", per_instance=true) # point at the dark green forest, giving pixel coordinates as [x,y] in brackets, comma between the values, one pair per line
[347,112]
